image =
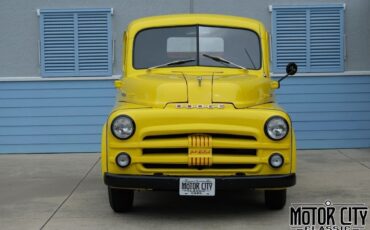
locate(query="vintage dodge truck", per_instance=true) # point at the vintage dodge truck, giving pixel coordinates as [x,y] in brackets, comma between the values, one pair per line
[196,113]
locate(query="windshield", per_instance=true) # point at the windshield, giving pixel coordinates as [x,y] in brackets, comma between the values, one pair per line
[157,47]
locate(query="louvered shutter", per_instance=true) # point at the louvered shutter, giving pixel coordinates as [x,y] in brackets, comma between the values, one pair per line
[311,36]
[326,39]
[58,44]
[76,42]
[289,38]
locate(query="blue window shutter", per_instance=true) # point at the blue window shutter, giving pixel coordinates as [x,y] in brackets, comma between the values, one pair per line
[289,38]
[326,40]
[311,36]
[57,44]
[76,42]
[94,43]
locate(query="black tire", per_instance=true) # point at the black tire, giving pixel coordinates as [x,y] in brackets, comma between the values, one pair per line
[275,199]
[120,200]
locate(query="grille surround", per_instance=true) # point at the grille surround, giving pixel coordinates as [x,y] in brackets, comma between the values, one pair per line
[240,156]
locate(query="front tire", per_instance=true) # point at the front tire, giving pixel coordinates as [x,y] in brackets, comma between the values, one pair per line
[120,200]
[275,199]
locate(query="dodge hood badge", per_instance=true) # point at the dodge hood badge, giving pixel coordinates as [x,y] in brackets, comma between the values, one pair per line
[200,106]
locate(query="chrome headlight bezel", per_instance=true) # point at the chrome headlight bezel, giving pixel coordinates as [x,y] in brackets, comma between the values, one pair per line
[127,118]
[125,155]
[279,157]
[269,134]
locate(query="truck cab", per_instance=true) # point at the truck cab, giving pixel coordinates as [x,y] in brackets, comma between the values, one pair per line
[195,112]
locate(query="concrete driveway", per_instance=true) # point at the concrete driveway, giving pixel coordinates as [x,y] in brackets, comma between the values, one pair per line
[66,191]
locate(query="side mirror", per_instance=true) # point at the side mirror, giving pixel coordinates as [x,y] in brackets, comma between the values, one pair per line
[291,69]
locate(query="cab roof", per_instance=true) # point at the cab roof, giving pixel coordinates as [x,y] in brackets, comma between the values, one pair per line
[194,19]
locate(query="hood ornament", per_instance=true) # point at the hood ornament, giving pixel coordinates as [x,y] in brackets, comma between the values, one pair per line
[199,81]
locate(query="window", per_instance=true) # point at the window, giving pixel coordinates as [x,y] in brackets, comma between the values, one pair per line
[157,46]
[311,36]
[76,42]
[189,44]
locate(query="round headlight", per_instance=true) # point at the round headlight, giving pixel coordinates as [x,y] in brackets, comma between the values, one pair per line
[276,160]
[123,127]
[276,128]
[123,160]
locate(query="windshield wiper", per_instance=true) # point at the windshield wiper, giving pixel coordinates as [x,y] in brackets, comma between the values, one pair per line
[177,62]
[250,58]
[221,60]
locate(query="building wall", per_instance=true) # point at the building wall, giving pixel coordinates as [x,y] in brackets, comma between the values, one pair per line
[53,116]
[356,29]
[328,111]
[19,24]
[66,115]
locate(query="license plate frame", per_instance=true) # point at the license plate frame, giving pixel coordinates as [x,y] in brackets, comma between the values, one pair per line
[190,186]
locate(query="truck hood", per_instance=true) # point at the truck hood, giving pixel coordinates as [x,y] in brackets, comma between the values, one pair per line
[158,90]
[242,90]
[155,90]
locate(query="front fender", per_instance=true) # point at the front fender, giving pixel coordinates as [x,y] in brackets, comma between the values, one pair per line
[294,153]
[104,150]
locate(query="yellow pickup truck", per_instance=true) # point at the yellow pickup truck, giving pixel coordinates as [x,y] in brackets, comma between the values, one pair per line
[196,113]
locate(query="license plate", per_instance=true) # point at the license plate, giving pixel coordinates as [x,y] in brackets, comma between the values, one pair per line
[197,187]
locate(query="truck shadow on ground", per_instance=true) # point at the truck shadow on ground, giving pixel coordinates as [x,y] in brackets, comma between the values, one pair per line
[168,204]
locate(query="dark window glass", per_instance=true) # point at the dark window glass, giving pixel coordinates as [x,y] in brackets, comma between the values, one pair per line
[162,45]
[158,46]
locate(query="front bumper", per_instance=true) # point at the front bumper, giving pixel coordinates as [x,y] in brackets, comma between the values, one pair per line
[222,182]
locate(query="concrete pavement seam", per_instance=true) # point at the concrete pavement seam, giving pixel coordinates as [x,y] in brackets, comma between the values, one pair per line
[70,194]
[353,159]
